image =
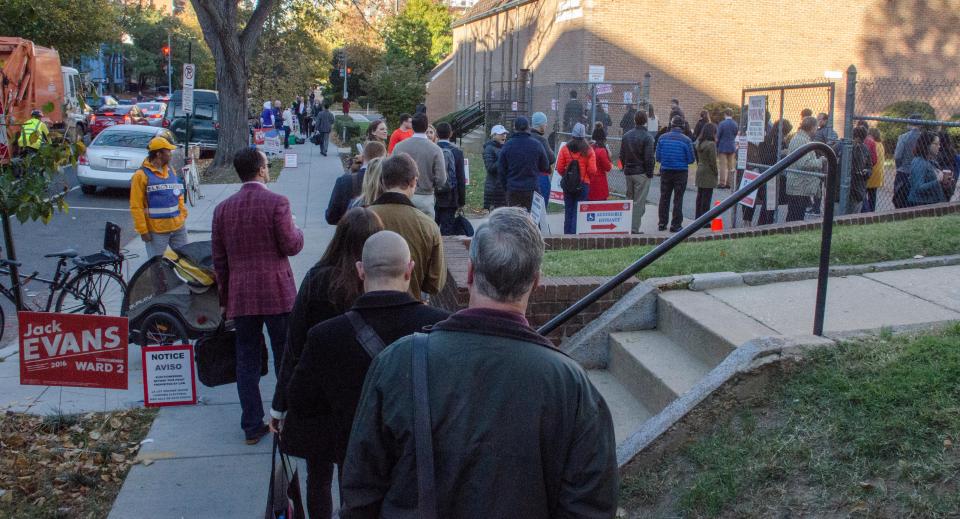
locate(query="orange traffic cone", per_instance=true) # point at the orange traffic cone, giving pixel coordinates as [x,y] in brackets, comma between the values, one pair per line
[716,225]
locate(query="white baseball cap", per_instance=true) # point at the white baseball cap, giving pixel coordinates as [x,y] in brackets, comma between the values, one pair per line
[498,130]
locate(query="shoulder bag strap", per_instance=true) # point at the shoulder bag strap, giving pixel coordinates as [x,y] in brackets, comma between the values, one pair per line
[422,432]
[368,338]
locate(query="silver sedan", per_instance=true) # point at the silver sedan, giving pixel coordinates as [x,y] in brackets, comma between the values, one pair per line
[116,154]
[153,111]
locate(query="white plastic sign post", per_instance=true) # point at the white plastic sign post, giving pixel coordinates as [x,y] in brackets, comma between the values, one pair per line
[169,376]
[609,217]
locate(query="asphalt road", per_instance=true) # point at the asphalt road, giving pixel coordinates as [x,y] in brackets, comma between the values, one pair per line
[80,228]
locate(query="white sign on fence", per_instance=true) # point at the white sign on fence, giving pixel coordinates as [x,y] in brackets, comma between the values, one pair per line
[756,119]
[628,98]
[751,199]
[610,217]
[604,88]
[553,105]
[514,106]
[189,72]
[596,73]
[742,152]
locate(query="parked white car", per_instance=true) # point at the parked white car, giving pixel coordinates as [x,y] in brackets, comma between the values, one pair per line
[116,154]
[153,111]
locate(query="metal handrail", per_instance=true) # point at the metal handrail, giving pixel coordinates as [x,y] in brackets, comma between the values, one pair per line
[727,203]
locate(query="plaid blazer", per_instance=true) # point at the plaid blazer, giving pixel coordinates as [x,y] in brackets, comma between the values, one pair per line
[253,235]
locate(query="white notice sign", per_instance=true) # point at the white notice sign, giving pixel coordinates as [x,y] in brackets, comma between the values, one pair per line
[169,376]
[289,160]
[628,98]
[742,152]
[189,72]
[756,119]
[538,209]
[609,217]
[466,171]
[596,73]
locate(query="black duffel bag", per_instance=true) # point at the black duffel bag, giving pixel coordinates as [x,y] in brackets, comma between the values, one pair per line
[216,356]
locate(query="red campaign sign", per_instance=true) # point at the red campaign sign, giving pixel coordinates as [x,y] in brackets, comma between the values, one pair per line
[73,350]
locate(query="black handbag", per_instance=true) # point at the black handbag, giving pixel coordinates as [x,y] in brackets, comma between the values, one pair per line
[216,356]
[283,497]
[462,226]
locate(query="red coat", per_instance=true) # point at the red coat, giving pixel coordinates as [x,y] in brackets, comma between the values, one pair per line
[599,189]
[253,235]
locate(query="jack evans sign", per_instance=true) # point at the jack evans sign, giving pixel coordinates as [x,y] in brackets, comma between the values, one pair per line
[73,350]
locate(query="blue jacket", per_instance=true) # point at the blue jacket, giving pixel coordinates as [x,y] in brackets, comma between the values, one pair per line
[727,136]
[674,151]
[924,186]
[521,160]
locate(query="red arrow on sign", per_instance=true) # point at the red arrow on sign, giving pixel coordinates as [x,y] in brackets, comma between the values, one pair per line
[607,226]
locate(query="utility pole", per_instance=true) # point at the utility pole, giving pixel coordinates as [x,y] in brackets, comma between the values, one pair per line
[169,65]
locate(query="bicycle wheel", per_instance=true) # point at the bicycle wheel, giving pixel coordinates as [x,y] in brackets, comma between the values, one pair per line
[3,322]
[194,186]
[96,291]
[187,191]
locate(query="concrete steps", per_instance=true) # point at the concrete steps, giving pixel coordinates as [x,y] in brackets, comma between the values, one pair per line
[628,413]
[655,369]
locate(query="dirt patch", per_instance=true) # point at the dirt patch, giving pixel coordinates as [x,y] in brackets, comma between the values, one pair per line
[67,466]
[227,175]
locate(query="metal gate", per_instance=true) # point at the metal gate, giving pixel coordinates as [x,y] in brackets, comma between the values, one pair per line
[784,102]
[506,100]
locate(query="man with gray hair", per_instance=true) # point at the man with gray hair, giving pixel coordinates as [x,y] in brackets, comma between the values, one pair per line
[325,386]
[517,428]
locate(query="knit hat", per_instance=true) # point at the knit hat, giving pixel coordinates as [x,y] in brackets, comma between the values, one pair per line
[539,119]
[521,124]
[579,131]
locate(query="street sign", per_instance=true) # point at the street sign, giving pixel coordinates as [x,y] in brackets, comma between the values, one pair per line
[610,217]
[169,376]
[751,199]
[73,350]
[189,72]
[756,119]
[596,73]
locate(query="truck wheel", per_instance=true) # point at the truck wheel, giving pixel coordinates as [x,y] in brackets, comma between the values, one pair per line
[88,189]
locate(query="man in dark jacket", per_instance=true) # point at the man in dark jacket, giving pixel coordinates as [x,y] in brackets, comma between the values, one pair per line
[520,163]
[637,156]
[324,123]
[517,428]
[493,194]
[451,198]
[628,121]
[537,131]
[328,378]
[675,154]
[572,112]
[348,186]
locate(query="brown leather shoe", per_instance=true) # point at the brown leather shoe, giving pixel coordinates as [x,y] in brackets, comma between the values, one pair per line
[261,432]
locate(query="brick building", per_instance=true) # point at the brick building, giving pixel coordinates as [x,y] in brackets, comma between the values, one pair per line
[696,51]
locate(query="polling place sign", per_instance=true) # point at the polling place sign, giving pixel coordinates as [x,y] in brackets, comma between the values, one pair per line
[73,350]
[169,376]
[610,217]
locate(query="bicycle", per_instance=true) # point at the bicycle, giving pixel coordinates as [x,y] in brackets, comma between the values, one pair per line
[191,181]
[92,286]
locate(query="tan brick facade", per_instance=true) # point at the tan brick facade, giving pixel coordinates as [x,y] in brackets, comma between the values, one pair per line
[699,51]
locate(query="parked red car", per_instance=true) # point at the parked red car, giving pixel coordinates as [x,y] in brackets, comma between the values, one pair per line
[108,116]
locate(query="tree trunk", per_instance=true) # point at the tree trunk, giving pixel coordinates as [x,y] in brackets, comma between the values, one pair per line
[234,134]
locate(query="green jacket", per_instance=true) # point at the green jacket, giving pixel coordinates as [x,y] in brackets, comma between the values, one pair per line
[707,170]
[518,429]
[399,215]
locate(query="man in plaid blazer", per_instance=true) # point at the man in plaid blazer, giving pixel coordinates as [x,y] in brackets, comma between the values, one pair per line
[253,235]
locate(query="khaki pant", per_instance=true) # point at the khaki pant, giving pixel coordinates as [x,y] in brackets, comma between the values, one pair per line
[727,167]
[638,186]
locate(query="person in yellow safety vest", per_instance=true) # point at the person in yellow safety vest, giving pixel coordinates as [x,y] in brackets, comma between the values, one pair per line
[156,200]
[33,133]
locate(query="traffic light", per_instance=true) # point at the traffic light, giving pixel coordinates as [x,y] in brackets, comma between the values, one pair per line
[349,70]
[166,50]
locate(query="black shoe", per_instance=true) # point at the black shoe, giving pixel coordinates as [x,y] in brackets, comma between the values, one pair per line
[661,227]
[676,229]
[260,433]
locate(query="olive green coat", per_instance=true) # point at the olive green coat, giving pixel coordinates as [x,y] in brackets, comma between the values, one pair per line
[707,170]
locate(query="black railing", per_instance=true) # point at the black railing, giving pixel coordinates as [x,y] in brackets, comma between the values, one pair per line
[704,220]
[467,119]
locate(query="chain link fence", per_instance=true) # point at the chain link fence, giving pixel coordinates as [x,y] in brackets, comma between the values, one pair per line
[612,103]
[895,112]
[507,100]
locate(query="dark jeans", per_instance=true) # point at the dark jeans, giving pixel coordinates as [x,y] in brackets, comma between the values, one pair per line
[445,217]
[704,199]
[870,203]
[319,480]
[570,209]
[249,333]
[901,188]
[522,199]
[797,207]
[672,185]
[286,137]
[324,140]
[543,188]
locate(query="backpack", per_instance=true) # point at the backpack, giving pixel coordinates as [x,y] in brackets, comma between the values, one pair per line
[571,182]
[451,164]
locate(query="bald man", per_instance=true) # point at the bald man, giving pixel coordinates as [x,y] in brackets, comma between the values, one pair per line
[326,384]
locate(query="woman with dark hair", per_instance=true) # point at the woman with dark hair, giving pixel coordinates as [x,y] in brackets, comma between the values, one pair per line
[377,131]
[701,122]
[928,183]
[653,125]
[577,149]
[599,188]
[708,173]
[948,159]
[328,290]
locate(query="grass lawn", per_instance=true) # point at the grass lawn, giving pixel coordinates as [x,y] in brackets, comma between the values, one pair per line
[852,244]
[478,175]
[867,429]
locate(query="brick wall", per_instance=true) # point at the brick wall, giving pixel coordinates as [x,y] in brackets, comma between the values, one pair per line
[706,51]
[443,79]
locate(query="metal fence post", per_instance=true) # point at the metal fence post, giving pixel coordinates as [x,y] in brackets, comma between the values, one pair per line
[593,107]
[645,89]
[846,156]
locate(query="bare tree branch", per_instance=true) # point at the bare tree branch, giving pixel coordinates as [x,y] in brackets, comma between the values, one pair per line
[250,33]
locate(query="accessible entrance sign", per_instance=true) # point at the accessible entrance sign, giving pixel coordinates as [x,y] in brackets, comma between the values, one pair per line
[610,217]
[169,376]
[751,199]
[73,350]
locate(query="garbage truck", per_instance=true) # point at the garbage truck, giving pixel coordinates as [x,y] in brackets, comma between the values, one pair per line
[32,78]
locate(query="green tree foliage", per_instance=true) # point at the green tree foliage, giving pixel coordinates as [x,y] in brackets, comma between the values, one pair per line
[901,109]
[73,27]
[421,25]
[362,59]
[396,88]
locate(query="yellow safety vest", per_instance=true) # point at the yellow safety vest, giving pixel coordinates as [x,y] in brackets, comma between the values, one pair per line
[32,133]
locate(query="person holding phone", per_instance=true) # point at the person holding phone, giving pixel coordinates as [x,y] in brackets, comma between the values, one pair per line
[928,183]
